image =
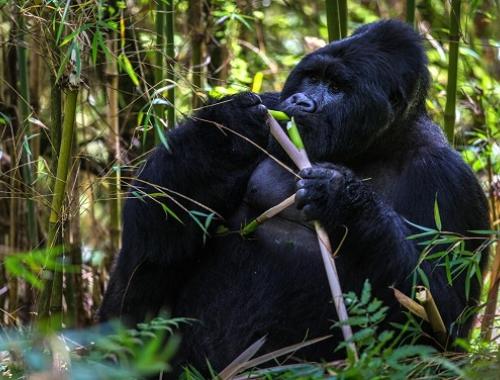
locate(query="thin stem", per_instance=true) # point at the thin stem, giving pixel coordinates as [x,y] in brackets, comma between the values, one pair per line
[53,295]
[170,53]
[451,90]
[299,157]
[343,18]
[114,124]
[160,65]
[196,21]
[333,19]
[410,12]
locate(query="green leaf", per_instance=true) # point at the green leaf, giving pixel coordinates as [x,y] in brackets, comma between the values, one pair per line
[168,211]
[437,217]
[423,277]
[63,19]
[64,62]
[366,293]
[126,65]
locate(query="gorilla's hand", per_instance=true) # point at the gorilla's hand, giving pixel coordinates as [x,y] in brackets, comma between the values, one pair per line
[331,194]
[244,114]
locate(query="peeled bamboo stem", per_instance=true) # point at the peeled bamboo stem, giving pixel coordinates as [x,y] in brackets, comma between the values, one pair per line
[300,158]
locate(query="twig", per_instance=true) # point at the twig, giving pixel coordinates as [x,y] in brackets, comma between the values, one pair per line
[266,215]
[300,158]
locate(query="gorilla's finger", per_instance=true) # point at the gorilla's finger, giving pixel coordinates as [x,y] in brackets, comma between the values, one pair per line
[302,183]
[310,184]
[304,196]
[309,212]
[316,172]
[301,198]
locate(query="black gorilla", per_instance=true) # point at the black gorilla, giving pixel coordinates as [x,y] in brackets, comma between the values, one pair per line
[360,107]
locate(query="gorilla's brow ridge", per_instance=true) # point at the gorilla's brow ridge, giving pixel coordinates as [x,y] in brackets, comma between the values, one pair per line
[327,67]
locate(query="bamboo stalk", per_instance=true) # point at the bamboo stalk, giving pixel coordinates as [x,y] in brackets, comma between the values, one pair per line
[410,12]
[343,18]
[451,89]
[196,22]
[55,139]
[266,215]
[113,121]
[73,293]
[57,200]
[333,19]
[53,296]
[159,63]
[424,296]
[299,157]
[170,54]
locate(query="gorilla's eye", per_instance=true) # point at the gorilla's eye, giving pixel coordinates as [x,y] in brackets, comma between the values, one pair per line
[334,87]
[314,79]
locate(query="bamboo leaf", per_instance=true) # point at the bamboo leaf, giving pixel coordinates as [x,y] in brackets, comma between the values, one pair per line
[61,24]
[126,65]
[437,217]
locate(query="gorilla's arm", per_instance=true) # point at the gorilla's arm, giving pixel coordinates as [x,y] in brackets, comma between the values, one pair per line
[203,165]
[376,246]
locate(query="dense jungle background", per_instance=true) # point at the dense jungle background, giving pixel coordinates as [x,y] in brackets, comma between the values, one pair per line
[87,88]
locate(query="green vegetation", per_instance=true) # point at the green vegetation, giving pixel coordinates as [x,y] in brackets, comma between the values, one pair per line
[87,88]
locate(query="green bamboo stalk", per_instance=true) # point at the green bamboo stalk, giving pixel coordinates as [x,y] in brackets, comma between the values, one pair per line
[114,124]
[53,296]
[333,19]
[410,12]
[451,90]
[55,139]
[160,21]
[195,17]
[343,17]
[170,54]
[73,292]
[57,200]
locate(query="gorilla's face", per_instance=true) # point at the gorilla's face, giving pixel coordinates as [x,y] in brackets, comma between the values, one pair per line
[348,94]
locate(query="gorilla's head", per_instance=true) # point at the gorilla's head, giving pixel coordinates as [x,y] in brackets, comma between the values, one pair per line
[353,92]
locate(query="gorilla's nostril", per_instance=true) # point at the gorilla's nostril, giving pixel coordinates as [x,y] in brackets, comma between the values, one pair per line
[303,102]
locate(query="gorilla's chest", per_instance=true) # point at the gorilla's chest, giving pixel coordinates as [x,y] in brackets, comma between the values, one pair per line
[269,185]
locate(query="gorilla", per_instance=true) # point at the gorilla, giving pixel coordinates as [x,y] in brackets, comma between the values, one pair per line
[379,162]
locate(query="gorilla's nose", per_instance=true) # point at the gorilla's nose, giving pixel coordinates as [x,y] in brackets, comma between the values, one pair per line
[303,102]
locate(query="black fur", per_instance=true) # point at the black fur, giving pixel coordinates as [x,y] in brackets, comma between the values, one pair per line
[359,105]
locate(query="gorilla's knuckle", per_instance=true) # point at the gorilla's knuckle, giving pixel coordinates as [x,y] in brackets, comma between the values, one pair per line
[248,99]
[301,183]
[301,194]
